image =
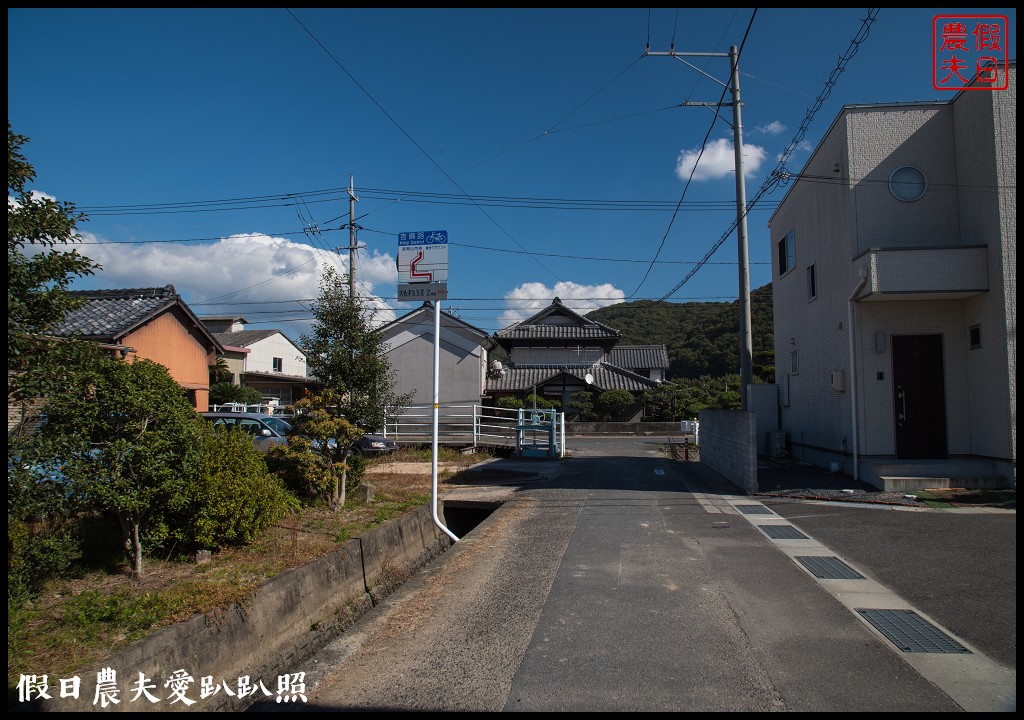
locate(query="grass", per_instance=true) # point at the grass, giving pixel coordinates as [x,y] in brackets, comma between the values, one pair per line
[967,497]
[74,623]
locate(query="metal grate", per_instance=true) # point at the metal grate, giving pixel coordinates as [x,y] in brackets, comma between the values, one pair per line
[754,510]
[782,532]
[829,568]
[911,633]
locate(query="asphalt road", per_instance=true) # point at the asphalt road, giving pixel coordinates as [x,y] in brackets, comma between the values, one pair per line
[625,582]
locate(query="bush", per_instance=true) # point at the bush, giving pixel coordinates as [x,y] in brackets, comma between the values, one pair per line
[225,392]
[612,403]
[236,497]
[38,552]
[303,471]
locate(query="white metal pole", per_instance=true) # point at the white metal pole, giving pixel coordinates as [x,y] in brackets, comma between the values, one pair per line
[433,439]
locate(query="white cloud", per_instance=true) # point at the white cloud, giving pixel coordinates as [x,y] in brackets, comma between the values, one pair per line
[718,160]
[772,128]
[530,298]
[254,275]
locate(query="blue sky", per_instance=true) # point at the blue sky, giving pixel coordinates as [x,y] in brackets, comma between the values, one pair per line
[212,149]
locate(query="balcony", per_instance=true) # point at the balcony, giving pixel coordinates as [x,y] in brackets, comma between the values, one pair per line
[934,273]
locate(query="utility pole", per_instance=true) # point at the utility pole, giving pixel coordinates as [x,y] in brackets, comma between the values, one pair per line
[352,200]
[746,354]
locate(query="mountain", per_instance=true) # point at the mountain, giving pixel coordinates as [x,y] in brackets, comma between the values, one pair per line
[702,338]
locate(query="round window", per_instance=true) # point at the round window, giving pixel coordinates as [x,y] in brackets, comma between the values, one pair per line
[907,184]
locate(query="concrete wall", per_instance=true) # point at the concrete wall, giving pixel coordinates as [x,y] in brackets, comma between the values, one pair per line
[290,617]
[728,445]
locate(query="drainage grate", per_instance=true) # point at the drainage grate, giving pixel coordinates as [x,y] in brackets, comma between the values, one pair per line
[911,633]
[829,568]
[754,510]
[782,532]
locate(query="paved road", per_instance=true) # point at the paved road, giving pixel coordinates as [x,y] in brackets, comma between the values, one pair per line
[627,582]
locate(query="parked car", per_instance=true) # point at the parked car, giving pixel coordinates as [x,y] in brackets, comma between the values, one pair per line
[374,445]
[266,430]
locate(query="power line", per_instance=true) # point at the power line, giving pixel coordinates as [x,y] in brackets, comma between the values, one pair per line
[779,173]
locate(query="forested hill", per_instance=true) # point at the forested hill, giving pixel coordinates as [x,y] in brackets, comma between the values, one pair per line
[702,338]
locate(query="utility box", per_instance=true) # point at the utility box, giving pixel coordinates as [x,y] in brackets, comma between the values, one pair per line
[776,443]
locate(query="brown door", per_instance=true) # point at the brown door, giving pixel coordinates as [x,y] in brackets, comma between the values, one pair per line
[920,398]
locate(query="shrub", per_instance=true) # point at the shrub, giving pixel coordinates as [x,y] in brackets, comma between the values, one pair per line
[236,497]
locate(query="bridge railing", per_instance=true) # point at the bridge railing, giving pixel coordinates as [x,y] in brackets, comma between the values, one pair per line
[461,425]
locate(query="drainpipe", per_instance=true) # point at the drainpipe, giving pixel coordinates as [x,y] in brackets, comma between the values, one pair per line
[853,368]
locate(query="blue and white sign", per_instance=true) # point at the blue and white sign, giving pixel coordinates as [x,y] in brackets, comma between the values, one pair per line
[423,265]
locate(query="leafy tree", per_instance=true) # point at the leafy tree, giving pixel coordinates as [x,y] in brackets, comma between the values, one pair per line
[40,514]
[130,445]
[38,275]
[220,372]
[612,403]
[346,356]
[536,401]
[510,402]
[225,392]
[582,403]
[328,436]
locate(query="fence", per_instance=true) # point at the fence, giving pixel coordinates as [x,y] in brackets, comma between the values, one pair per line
[463,425]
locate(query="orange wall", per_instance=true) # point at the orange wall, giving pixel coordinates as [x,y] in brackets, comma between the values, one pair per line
[167,341]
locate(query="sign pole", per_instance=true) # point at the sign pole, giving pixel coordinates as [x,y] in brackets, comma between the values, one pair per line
[423,275]
[433,440]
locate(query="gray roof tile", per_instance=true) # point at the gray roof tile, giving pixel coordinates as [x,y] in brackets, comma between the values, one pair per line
[110,314]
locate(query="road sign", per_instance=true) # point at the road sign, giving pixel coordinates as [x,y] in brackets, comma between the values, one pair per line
[423,265]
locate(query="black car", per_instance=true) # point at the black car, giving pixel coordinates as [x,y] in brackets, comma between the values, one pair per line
[374,445]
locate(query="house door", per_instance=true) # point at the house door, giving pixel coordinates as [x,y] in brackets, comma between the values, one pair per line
[920,399]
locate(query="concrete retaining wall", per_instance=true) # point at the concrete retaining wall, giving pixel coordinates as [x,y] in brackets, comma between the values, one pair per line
[728,445]
[291,616]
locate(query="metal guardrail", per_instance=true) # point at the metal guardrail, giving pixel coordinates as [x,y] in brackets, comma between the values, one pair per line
[461,425]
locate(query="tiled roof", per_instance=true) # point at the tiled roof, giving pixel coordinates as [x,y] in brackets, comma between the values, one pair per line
[605,377]
[535,327]
[244,338]
[110,314]
[639,357]
[557,332]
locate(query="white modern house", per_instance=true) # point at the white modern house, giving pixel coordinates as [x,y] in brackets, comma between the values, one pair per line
[267,360]
[895,290]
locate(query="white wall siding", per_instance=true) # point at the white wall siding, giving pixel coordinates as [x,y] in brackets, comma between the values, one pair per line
[262,354]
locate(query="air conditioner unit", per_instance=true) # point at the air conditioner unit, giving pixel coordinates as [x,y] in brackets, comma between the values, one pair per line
[776,443]
[836,378]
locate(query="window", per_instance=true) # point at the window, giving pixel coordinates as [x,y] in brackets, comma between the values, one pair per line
[907,184]
[787,252]
[812,285]
[278,365]
[975,337]
[794,362]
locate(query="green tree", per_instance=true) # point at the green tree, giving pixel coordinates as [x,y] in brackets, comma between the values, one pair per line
[130,444]
[346,356]
[226,392]
[39,272]
[612,403]
[40,513]
[319,419]
[510,402]
[582,403]
[220,372]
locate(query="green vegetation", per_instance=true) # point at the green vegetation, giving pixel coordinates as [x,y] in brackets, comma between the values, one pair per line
[346,355]
[701,338]
[222,393]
